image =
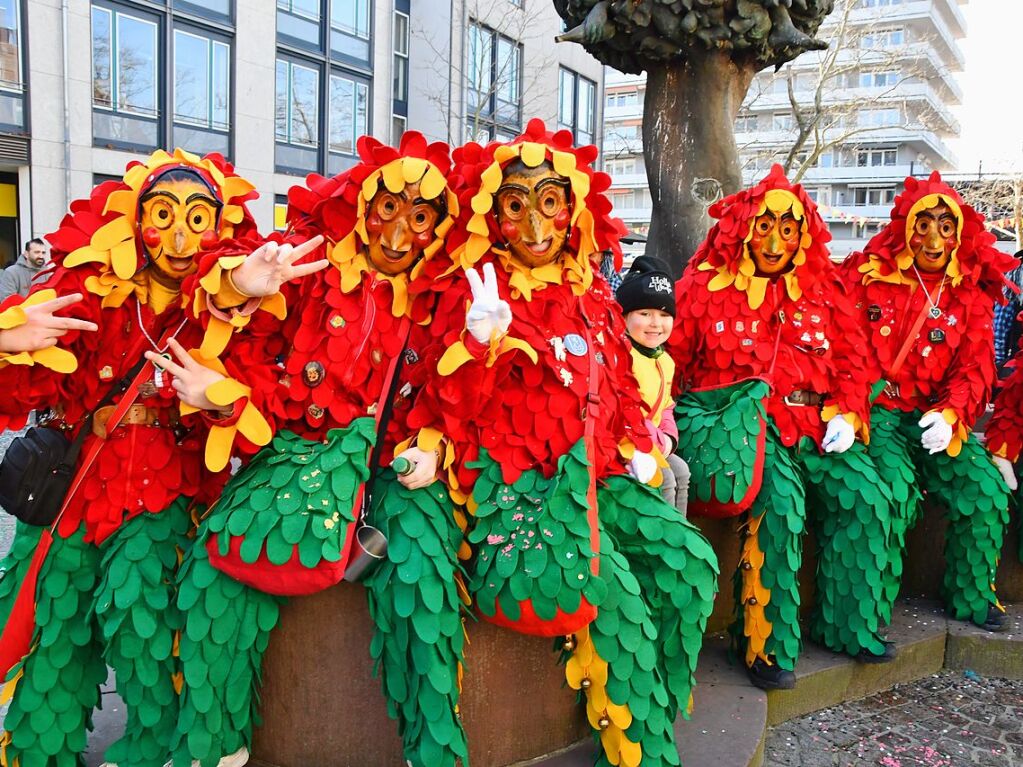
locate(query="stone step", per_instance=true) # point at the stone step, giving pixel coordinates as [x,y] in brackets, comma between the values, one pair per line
[731,717]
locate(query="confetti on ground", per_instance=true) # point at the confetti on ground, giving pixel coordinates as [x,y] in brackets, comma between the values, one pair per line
[951,719]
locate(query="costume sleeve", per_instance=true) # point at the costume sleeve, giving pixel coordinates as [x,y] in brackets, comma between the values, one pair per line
[667,429]
[1004,431]
[40,379]
[972,374]
[851,378]
[683,343]
[218,305]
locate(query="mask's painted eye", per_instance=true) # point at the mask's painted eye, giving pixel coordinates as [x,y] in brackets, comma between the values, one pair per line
[922,226]
[387,207]
[200,217]
[423,218]
[512,206]
[789,229]
[551,201]
[764,224]
[948,228]
[162,214]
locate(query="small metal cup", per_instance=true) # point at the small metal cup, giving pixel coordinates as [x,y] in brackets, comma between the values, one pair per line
[372,547]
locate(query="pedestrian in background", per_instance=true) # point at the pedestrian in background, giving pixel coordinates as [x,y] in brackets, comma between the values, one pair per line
[1006,323]
[17,278]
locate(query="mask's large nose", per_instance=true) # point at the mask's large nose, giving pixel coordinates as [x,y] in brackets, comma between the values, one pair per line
[180,238]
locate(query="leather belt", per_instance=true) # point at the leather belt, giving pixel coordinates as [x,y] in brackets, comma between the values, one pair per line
[894,391]
[137,415]
[802,397]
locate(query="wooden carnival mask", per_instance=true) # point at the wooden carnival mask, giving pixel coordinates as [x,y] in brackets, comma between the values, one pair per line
[775,233]
[932,234]
[400,226]
[533,212]
[179,216]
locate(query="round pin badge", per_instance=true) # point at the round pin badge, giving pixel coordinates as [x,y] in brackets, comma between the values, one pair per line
[575,344]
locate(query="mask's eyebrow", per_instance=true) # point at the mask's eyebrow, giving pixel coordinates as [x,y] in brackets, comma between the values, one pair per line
[563,183]
[201,196]
[160,193]
[513,188]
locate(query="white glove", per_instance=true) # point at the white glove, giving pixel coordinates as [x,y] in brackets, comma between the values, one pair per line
[937,432]
[487,314]
[643,467]
[1006,469]
[839,436]
[425,471]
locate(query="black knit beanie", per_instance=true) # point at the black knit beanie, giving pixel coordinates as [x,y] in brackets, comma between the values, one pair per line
[647,285]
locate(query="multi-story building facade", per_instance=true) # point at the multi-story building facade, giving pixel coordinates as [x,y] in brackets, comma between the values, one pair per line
[886,98]
[283,88]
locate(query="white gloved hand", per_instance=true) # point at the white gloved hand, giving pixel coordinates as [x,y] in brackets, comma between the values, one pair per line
[487,314]
[643,467]
[839,436]
[1006,469]
[937,432]
[425,471]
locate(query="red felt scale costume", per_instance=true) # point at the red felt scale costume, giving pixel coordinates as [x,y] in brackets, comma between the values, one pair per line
[562,548]
[106,588]
[763,362]
[285,525]
[931,335]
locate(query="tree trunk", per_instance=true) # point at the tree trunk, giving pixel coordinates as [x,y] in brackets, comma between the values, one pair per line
[688,135]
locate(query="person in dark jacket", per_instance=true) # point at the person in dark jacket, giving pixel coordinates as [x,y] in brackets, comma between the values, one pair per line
[17,278]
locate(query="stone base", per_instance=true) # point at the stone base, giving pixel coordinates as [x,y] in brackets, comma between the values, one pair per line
[323,706]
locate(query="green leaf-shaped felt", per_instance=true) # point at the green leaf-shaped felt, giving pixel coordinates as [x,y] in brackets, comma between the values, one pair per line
[226,630]
[418,637]
[718,439]
[514,536]
[51,709]
[296,493]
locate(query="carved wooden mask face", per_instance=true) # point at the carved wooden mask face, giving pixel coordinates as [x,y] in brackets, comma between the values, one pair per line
[533,213]
[774,241]
[178,217]
[934,237]
[400,227]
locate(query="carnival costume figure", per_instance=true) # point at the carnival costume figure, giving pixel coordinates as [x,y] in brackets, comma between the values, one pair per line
[925,289]
[106,586]
[543,416]
[336,378]
[774,394]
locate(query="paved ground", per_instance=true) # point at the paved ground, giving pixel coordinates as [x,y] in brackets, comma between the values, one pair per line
[951,719]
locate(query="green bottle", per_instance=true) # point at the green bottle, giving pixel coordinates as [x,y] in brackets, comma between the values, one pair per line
[402,466]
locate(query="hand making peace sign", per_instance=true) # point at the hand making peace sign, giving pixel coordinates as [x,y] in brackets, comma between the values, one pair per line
[268,267]
[191,379]
[43,328]
[487,313]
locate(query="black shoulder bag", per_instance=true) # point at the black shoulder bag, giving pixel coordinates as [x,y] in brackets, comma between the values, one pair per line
[38,467]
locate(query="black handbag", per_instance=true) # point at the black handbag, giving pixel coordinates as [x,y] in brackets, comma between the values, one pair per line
[38,467]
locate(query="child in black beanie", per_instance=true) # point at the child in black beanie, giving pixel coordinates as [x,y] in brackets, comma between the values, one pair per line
[647,297]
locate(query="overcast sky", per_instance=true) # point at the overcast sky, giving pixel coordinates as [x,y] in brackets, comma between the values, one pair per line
[992,110]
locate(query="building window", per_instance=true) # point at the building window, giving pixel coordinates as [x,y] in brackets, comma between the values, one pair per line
[202,91]
[879,79]
[576,111]
[624,99]
[876,158]
[883,38]
[494,85]
[323,83]
[880,118]
[280,212]
[745,123]
[782,121]
[349,113]
[399,123]
[399,88]
[129,65]
[12,83]
[873,196]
